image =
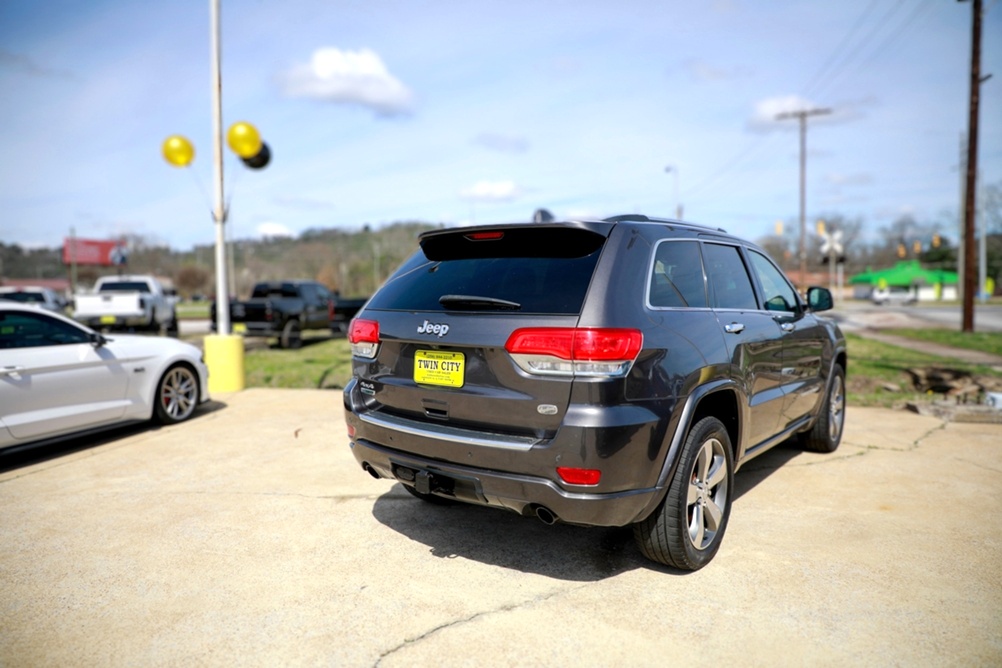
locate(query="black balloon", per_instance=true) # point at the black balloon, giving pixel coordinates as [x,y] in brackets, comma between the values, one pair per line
[261,160]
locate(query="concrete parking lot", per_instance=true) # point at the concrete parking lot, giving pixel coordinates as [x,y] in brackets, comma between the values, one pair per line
[248,536]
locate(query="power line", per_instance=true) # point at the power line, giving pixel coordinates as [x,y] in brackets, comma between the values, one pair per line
[861,46]
[844,44]
[852,64]
[843,59]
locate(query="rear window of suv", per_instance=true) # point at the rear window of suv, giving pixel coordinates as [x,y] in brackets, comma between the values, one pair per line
[523,270]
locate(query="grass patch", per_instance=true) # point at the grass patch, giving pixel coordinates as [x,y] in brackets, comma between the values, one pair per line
[325,363]
[322,363]
[989,342]
[873,364]
[193,310]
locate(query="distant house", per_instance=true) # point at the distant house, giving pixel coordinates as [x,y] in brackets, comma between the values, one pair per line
[927,284]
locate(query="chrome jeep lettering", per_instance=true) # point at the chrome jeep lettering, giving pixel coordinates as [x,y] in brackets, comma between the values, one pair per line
[438,329]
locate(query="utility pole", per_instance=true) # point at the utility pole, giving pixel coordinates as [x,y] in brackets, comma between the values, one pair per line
[802,117]
[970,268]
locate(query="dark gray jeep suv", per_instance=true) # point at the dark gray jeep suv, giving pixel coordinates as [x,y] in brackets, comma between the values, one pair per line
[605,373]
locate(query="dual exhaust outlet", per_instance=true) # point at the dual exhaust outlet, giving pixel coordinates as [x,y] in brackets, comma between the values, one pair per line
[541,513]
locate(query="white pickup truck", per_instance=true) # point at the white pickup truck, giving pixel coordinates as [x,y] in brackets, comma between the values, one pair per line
[127,303]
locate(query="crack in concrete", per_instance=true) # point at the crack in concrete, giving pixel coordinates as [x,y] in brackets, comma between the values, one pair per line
[978,464]
[408,642]
[864,450]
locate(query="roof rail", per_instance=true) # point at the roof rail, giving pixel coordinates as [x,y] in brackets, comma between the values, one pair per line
[641,218]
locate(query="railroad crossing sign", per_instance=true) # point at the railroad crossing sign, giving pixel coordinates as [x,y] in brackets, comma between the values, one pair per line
[831,244]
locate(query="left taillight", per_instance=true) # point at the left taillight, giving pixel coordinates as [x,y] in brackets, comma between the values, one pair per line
[575,351]
[364,338]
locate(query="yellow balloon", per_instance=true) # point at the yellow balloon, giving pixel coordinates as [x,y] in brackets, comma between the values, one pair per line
[244,139]
[178,151]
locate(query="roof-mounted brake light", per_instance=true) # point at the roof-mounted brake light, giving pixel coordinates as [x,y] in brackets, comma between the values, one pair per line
[485,236]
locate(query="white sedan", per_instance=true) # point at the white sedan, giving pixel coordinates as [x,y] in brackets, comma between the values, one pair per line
[58,377]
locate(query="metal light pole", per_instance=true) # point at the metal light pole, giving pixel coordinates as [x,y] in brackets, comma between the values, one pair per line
[224,352]
[219,211]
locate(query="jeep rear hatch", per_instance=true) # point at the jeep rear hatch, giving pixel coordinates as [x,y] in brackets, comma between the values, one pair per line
[478,331]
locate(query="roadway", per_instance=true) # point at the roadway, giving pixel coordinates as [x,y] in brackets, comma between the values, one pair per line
[249,535]
[860,314]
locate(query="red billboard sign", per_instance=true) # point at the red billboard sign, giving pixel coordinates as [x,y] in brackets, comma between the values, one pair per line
[91,251]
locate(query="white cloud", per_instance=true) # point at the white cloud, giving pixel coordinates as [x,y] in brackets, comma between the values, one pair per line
[272,229]
[492,191]
[349,77]
[764,117]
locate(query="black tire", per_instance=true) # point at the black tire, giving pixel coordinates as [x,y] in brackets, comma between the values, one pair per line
[176,395]
[433,499]
[686,530]
[291,335]
[826,432]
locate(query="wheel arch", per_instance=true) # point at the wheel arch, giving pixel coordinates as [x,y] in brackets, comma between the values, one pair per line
[720,399]
[167,368]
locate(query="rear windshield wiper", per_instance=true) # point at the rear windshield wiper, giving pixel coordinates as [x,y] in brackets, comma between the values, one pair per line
[477,303]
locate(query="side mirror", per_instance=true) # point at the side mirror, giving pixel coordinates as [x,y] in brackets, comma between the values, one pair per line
[97,339]
[820,299]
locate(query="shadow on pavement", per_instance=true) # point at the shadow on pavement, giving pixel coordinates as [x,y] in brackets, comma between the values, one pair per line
[760,468]
[19,456]
[500,538]
[565,552]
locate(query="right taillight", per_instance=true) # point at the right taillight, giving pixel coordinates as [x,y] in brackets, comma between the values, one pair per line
[575,351]
[364,338]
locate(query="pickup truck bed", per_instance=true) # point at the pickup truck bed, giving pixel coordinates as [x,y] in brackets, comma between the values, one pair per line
[126,303]
[284,309]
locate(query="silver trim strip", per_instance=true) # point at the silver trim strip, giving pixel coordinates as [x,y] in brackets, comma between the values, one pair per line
[452,434]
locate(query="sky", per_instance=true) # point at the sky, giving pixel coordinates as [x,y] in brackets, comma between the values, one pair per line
[483,111]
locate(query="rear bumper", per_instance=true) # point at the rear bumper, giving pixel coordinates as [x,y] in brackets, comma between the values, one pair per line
[520,493]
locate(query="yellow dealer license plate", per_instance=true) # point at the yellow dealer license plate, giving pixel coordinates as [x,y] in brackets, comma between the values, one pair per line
[239,328]
[432,367]
[107,320]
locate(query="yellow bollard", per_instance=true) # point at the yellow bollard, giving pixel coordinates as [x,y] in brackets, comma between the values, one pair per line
[224,355]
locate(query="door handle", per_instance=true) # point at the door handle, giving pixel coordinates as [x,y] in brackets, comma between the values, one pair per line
[788,326]
[734,328]
[11,370]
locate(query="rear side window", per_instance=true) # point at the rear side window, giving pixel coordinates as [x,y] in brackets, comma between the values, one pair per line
[677,276]
[523,270]
[730,286]
[124,286]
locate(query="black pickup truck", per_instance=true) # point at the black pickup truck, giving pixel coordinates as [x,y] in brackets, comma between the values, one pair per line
[283,309]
